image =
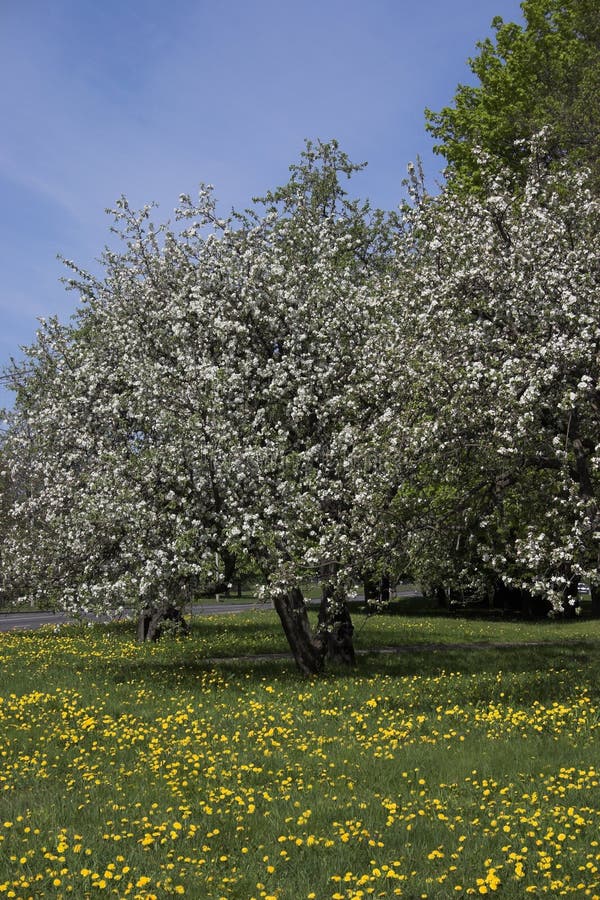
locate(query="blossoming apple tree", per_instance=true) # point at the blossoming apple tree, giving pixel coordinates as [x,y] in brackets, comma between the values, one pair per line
[199,406]
[316,389]
[503,309]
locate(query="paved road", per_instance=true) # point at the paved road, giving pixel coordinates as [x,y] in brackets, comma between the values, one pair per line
[13,621]
[32,620]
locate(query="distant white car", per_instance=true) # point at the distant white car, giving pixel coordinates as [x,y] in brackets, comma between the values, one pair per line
[583,588]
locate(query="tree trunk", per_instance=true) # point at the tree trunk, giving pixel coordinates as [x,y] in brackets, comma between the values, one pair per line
[229,563]
[152,619]
[308,650]
[595,600]
[143,624]
[376,591]
[572,607]
[335,622]
[385,588]
[440,595]
[370,591]
[586,490]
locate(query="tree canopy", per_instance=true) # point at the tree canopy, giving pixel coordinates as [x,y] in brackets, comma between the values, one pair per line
[316,389]
[506,313]
[545,72]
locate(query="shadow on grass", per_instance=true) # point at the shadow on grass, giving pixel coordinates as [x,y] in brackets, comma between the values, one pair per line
[524,658]
[549,670]
[253,649]
[252,625]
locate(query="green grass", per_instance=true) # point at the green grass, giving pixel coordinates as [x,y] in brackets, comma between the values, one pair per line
[150,771]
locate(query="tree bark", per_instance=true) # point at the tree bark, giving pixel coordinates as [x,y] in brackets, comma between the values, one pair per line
[370,590]
[229,563]
[308,649]
[586,490]
[143,624]
[377,591]
[335,622]
[386,587]
[151,620]
[595,600]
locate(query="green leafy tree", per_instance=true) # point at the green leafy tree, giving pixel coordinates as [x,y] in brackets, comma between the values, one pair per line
[544,73]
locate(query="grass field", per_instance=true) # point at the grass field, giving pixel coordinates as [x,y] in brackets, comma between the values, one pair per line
[152,771]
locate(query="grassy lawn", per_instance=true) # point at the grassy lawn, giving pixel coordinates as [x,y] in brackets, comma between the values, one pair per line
[150,771]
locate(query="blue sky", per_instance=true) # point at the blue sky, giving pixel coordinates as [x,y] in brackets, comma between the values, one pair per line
[149,98]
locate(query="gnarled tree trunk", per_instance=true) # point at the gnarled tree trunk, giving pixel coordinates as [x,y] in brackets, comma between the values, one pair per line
[152,619]
[308,648]
[335,622]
